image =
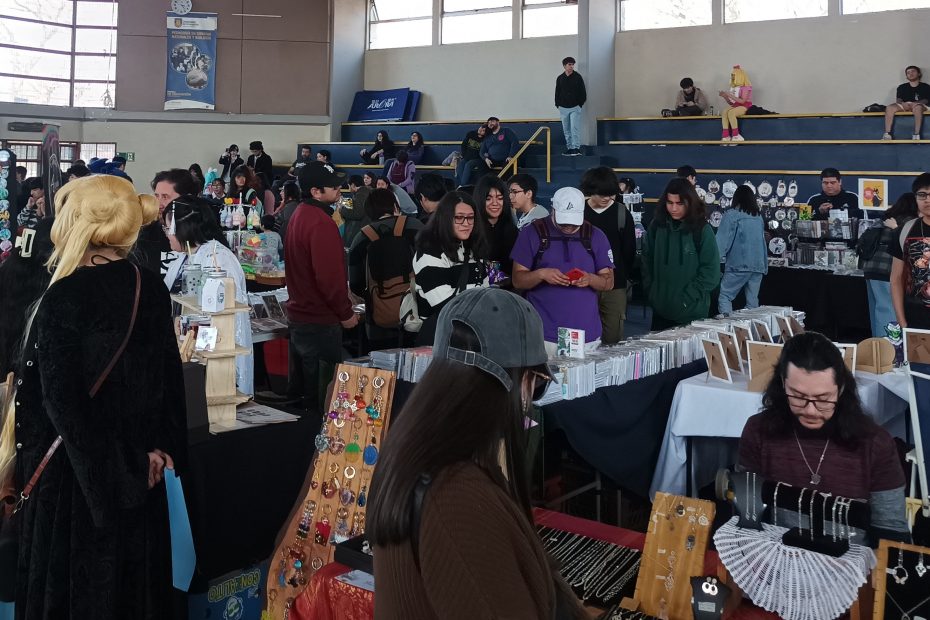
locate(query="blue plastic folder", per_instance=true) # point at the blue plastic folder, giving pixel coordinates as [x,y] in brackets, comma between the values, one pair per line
[183,558]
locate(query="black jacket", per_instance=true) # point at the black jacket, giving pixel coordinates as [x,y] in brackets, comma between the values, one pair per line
[262,167]
[569,90]
[229,166]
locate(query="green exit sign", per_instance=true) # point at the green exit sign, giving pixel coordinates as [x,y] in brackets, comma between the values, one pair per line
[128,155]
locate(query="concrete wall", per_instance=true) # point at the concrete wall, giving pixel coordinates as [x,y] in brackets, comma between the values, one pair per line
[470,81]
[825,64]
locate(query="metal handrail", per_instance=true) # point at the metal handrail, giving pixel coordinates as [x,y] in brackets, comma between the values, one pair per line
[513,160]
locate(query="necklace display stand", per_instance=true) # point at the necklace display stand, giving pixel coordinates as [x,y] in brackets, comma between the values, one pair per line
[902,585]
[676,541]
[331,506]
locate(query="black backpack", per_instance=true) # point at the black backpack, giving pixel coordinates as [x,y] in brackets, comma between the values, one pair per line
[389,264]
[542,229]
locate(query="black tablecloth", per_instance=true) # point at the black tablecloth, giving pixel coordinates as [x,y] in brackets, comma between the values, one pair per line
[618,430]
[240,487]
[837,306]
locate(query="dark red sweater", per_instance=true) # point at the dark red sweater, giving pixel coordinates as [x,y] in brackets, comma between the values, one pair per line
[314,267]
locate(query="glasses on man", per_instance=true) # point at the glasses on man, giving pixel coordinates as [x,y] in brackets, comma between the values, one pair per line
[802,402]
[922,195]
[514,192]
[464,220]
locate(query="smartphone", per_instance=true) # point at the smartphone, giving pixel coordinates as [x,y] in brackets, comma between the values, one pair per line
[575,274]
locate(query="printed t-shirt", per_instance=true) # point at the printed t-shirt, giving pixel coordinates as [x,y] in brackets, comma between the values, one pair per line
[916,257]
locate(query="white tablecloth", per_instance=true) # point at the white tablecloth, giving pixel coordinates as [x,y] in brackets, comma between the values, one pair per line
[712,408]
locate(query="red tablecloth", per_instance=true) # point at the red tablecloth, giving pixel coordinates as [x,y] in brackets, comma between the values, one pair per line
[326,598]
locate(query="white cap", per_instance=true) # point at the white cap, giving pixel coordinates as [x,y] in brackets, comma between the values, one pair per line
[568,206]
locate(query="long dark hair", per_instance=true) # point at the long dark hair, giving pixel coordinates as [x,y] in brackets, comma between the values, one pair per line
[905,208]
[812,351]
[419,143]
[251,180]
[22,280]
[482,189]
[695,216]
[197,172]
[438,236]
[744,199]
[195,222]
[456,414]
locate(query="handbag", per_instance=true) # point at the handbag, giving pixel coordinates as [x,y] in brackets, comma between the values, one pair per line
[9,537]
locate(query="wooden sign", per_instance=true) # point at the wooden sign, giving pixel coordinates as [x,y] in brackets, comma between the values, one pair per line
[875,355]
[917,346]
[763,360]
[716,362]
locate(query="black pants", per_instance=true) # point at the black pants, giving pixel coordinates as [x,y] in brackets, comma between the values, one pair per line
[660,322]
[312,351]
[688,110]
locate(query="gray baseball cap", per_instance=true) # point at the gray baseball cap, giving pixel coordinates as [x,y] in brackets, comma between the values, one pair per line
[509,331]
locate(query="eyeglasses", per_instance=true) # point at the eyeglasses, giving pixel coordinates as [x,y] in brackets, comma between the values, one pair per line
[820,405]
[464,220]
[922,195]
[516,191]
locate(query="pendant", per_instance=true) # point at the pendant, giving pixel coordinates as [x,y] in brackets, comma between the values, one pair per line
[322,532]
[321,442]
[336,445]
[362,497]
[356,526]
[371,455]
[347,496]
[353,452]
[815,479]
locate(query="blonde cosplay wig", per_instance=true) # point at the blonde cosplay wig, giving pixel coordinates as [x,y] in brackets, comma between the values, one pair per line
[738,77]
[100,211]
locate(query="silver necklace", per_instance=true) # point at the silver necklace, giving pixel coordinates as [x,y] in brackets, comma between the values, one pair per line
[815,475]
[906,615]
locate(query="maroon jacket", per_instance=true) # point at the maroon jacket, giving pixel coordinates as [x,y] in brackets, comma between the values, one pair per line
[315,269]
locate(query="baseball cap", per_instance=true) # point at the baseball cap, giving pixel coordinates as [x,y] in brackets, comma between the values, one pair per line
[568,206]
[508,328]
[318,174]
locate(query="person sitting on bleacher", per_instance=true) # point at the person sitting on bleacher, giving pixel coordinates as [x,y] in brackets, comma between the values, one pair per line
[739,98]
[382,149]
[913,96]
[833,197]
[401,171]
[499,145]
[690,100]
[415,147]
[467,162]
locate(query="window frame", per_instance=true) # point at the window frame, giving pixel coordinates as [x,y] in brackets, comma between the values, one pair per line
[370,22]
[66,152]
[552,4]
[74,26]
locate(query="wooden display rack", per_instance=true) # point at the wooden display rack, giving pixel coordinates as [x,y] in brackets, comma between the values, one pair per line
[297,541]
[881,578]
[222,396]
[676,541]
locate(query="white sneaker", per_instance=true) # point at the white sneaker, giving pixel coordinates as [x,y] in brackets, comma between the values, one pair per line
[725,139]
[738,138]
[887,136]
[916,137]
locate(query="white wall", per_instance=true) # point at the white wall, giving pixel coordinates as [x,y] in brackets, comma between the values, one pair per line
[470,81]
[828,64]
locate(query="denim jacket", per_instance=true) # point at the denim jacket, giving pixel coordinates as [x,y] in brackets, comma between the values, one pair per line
[741,240]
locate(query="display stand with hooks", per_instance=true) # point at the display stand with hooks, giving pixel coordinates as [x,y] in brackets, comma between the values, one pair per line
[901,581]
[333,500]
[676,541]
[222,396]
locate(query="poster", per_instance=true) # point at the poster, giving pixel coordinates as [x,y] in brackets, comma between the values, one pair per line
[50,166]
[190,83]
[873,193]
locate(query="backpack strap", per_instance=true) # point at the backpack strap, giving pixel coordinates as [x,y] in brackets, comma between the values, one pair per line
[543,231]
[905,231]
[587,231]
[371,233]
[399,225]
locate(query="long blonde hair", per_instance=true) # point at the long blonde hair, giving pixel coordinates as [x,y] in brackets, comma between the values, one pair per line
[100,211]
[738,77]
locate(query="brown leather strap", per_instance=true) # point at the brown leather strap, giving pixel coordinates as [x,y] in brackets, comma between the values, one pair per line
[399,225]
[369,232]
[93,392]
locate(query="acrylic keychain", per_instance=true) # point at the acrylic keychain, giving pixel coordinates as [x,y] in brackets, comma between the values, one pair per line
[347,495]
[363,493]
[359,404]
[321,537]
[353,451]
[331,486]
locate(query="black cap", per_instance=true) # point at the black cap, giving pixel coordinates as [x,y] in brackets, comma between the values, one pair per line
[319,175]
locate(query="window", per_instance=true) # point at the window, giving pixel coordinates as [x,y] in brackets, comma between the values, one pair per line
[27,153]
[868,6]
[58,52]
[400,23]
[763,10]
[646,14]
[545,18]
[466,21]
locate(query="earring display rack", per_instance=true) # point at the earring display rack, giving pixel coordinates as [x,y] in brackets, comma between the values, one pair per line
[331,506]
[902,585]
[676,541]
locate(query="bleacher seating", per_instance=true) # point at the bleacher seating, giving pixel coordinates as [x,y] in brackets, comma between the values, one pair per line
[649,149]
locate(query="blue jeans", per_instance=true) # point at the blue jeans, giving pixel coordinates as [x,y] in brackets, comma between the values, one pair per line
[735,281]
[881,310]
[469,170]
[571,126]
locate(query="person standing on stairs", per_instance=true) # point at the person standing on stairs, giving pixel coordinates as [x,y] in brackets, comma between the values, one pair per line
[570,96]
[739,100]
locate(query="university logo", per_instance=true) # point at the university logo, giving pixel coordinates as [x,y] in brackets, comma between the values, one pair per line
[382,104]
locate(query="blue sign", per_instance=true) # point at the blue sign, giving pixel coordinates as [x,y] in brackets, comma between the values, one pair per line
[381,105]
[190,83]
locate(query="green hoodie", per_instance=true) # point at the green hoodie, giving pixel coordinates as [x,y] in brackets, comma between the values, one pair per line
[677,278]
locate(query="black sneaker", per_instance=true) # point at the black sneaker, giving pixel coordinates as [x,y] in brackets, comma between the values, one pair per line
[574,152]
[567,153]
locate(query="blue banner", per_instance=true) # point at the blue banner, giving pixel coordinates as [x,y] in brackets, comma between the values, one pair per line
[190,83]
[380,105]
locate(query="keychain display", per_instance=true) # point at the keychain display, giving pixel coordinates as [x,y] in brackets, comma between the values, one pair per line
[331,508]
[902,587]
[709,596]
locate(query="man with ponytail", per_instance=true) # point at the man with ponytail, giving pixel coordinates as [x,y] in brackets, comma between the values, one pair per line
[102,374]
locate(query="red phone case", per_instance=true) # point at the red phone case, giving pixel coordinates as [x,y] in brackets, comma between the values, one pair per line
[575,274]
